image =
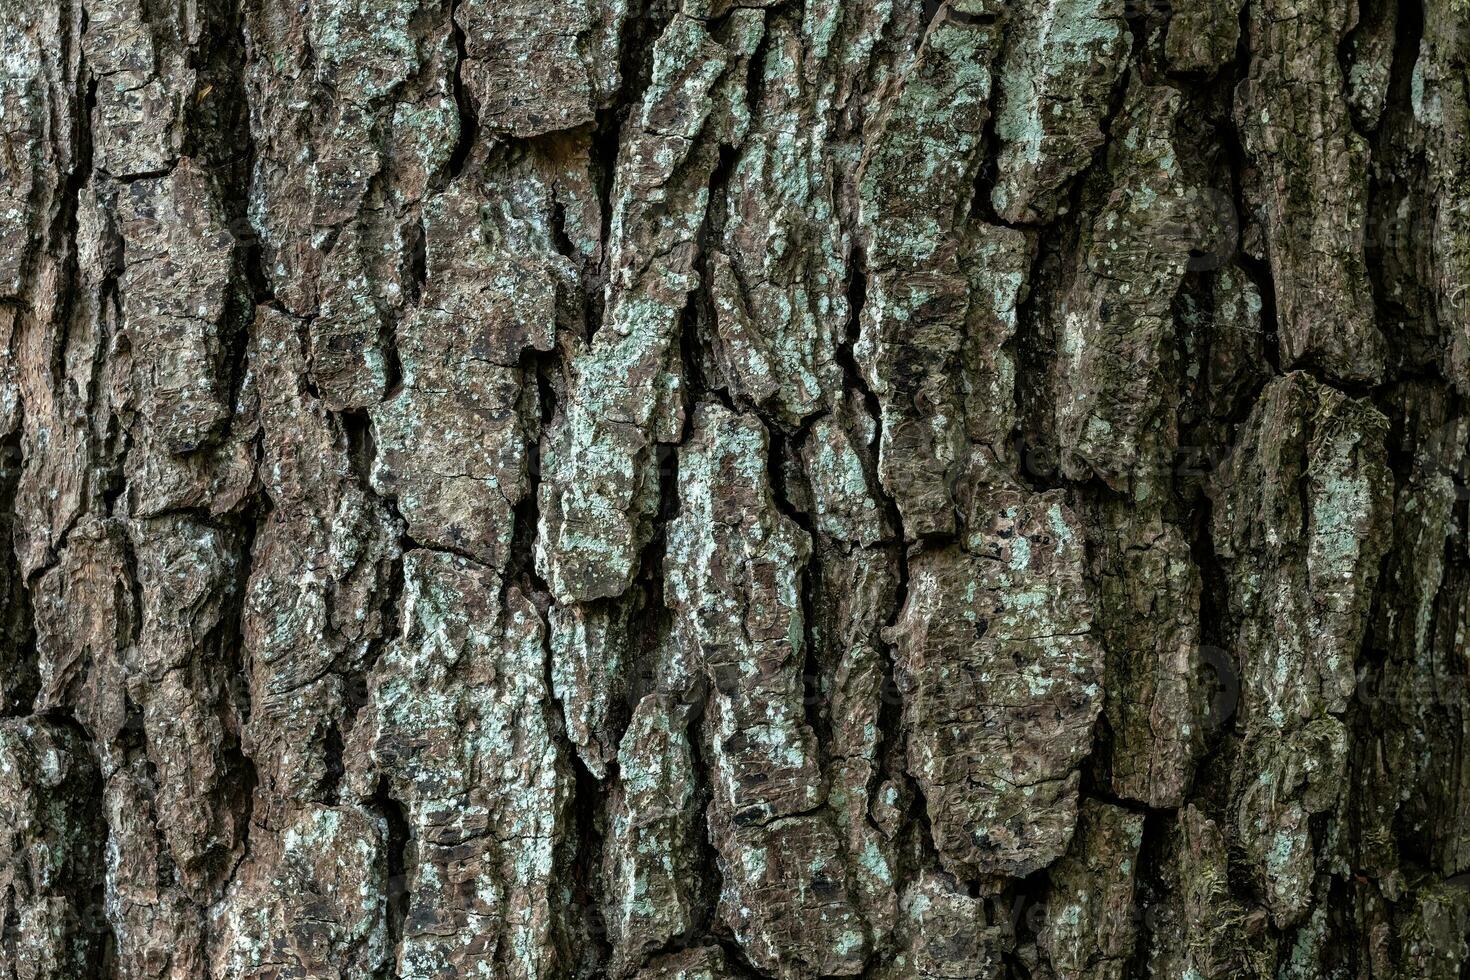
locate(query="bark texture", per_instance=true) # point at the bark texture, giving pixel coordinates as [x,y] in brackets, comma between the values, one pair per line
[694,489]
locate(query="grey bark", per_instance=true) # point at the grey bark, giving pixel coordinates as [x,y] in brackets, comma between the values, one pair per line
[690,489]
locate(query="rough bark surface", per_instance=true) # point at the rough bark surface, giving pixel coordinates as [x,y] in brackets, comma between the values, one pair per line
[694,489]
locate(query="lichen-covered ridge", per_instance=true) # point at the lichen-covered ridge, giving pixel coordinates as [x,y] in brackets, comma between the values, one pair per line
[653,489]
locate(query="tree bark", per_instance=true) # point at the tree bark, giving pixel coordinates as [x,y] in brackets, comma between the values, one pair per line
[693,489]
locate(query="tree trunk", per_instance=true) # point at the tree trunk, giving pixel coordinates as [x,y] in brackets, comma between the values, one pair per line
[579,488]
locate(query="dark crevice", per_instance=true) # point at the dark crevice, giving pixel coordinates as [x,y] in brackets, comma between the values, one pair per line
[64,236]
[857,298]
[19,659]
[855,381]
[1034,349]
[583,845]
[362,449]
[469,119]
[393,379]
[1143,21]
[591,306]
[1092,789]
[537,370]
[606,138]
[1219,666]
[335,770]
[242,782]
[643,26]
[970,19]
[697,310]
[815,696]
[982,207]
[224,644]
[890,697]
[248,245]
[778,454]
[416,267]
[712,229]
[1149,886]
[397,842]
[710,885]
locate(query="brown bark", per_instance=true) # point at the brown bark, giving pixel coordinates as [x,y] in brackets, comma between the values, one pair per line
[678,488]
